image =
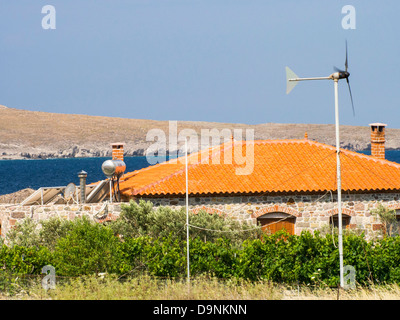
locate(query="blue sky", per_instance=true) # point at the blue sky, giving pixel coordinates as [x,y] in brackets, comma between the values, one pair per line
[201,60]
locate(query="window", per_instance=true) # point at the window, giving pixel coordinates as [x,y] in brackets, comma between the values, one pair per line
[275,221]
[335,221]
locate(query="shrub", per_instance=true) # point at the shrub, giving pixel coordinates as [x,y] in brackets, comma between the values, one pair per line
[87,248]
[53,229]
[166,257]
[141,219]
[216,259]
[388,219]
[24,233]
[30,233]
[24,260]
[154,242]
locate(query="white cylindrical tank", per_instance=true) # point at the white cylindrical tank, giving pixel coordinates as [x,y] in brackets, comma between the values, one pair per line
[113,167]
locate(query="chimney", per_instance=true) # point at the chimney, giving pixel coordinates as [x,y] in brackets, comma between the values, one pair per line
[378,140]
[118,151]
[82,183]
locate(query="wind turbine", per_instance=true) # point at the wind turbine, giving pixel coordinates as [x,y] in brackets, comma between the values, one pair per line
[291,80]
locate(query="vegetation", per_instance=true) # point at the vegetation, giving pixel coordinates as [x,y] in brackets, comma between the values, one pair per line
[141,219]
[388,219]
[151,242]
[146,287]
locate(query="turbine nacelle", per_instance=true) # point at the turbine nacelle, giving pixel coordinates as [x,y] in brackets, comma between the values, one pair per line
[340,75]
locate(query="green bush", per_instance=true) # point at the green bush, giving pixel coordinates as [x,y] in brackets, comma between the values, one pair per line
[24,260]
[388,218]
[30,233]
[141,219]
[384,259]
[217,259]
[88,248]
[53,229]
[145,239]
[24,233]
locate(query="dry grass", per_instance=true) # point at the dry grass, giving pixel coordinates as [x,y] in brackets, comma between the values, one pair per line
[149,288]
[383,292]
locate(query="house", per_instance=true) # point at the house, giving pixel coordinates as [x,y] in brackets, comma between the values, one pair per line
[292,185]
[289,184]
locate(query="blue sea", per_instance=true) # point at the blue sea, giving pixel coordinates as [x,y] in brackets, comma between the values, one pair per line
[20,174]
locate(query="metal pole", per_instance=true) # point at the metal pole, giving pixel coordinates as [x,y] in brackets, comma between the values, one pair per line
[339,184]
[110,191]
[314,78]
[187,213]
[82,184]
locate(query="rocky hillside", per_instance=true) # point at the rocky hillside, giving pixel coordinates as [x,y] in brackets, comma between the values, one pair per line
[32,134]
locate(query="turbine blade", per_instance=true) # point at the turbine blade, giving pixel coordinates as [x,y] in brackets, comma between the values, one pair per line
[351,96]
[290,84]
[346,62]
[337,69]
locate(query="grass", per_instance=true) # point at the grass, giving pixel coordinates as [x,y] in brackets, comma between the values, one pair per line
[381,292]
[201,288]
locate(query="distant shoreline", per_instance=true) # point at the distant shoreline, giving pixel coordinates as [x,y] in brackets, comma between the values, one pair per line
[51,156]
[56,158]
[41,135]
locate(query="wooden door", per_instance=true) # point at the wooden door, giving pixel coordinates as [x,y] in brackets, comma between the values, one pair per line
[272,225]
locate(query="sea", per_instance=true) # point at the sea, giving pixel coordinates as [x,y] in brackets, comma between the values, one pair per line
[16,175]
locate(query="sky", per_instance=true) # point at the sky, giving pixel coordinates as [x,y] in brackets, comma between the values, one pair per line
[201,60]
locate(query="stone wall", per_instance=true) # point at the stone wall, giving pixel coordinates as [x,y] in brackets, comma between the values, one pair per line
[10,215]
[312,212]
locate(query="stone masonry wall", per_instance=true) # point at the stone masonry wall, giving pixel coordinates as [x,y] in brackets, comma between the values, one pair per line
[10,215]
[312,212]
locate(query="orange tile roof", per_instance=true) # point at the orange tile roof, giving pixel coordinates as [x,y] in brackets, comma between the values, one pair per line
[279,166]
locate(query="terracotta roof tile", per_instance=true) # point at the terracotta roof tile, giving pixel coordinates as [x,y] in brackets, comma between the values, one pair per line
[279,166]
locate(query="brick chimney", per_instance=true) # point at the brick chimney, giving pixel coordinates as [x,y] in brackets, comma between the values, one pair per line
[118,151]
[378,140]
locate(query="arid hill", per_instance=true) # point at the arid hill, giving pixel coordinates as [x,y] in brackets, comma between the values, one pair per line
[33,134]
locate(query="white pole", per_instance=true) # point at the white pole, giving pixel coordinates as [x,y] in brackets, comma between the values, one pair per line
[187,213]
[339,183]
[110,192]
[315,78]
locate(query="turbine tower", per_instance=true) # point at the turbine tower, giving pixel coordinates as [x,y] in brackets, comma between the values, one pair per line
[291,81]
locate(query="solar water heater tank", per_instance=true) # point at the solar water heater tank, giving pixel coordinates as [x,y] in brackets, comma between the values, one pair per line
[113,167]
